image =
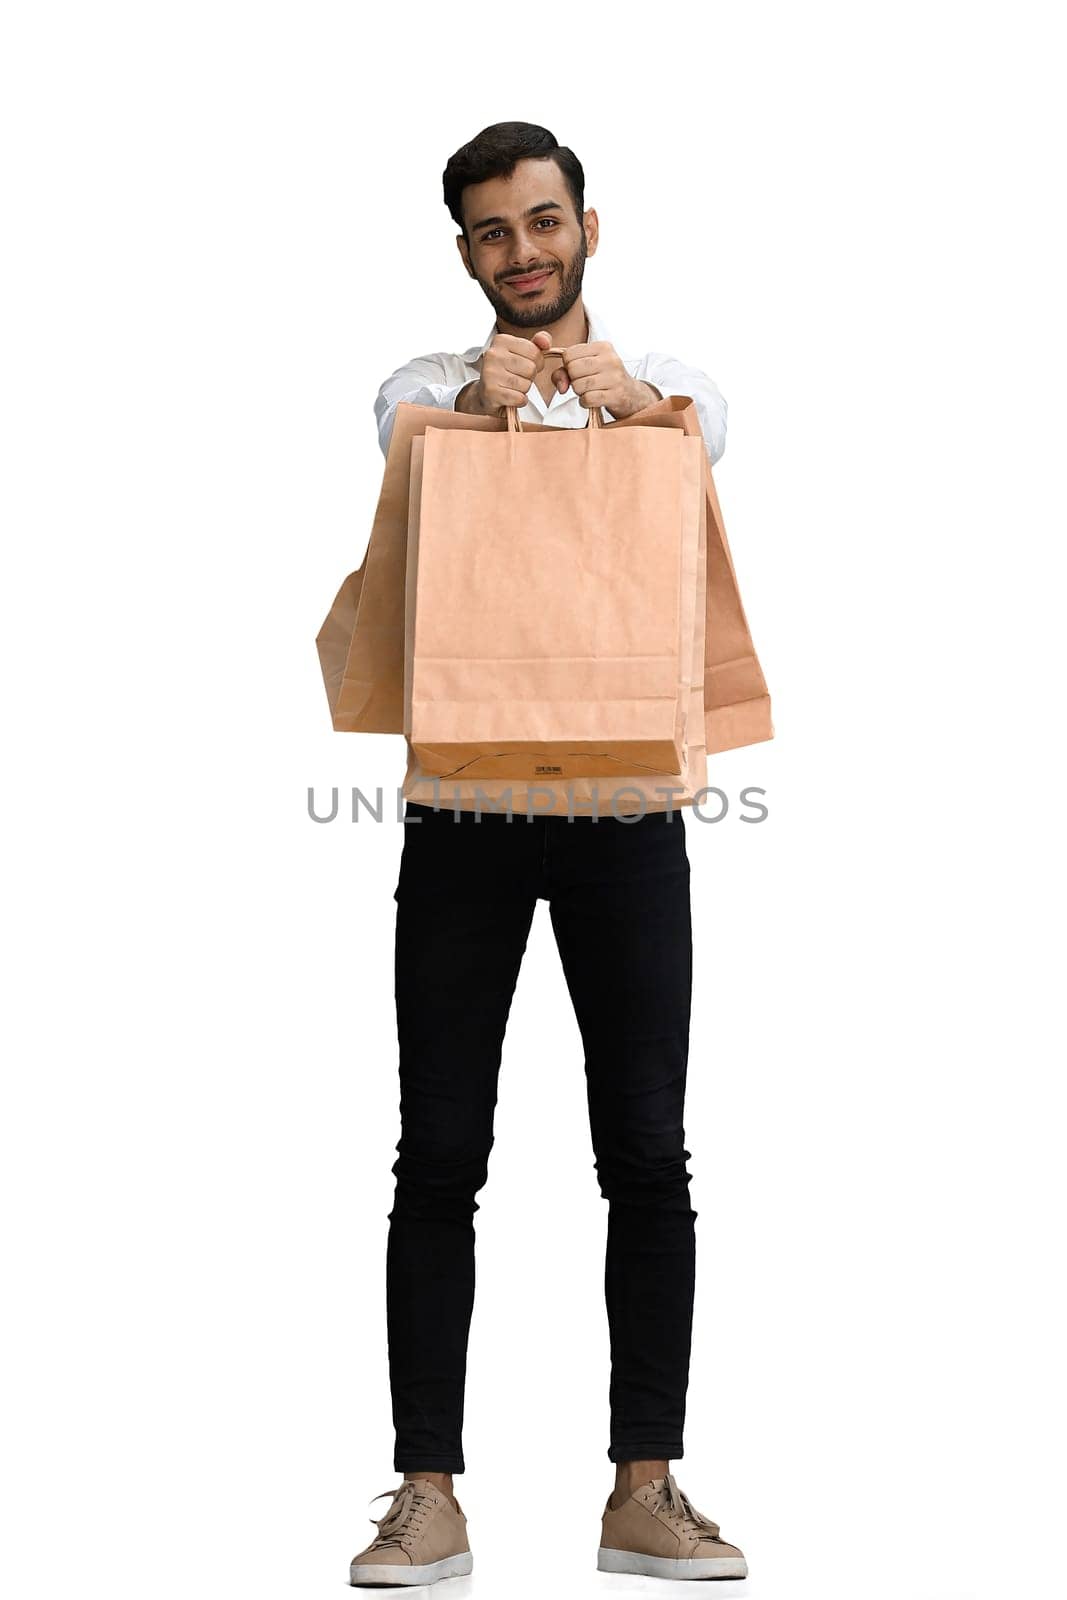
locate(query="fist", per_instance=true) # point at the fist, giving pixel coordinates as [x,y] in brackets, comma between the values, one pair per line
[598,377]
[509,366]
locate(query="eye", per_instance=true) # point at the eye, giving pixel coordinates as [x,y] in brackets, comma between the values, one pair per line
[487,238]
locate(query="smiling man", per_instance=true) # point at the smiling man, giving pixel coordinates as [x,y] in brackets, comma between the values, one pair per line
[526,244]
[618,896]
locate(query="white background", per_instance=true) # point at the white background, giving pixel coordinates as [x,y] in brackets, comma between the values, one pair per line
[224,228]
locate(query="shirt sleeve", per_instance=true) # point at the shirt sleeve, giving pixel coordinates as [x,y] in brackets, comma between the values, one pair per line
[420,382]
[671,376]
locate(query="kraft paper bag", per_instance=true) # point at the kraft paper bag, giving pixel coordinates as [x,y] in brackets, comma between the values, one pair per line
[737,706]
[552,602]
[624,793]
[370,695]
[585,795]
[334,638]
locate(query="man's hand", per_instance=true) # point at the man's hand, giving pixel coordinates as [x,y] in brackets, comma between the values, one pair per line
[598,377]
[509,366]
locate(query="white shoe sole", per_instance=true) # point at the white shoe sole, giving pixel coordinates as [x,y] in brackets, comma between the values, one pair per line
[385,1572]
[667,1567]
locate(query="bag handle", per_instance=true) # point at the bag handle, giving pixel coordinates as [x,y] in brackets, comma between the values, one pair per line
[515,422]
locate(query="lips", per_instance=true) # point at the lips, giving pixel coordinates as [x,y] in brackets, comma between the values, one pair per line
[524,285]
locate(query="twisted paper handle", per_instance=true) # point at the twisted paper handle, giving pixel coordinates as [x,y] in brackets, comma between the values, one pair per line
[515,422]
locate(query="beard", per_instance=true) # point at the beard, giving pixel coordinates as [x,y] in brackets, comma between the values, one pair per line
[542,313]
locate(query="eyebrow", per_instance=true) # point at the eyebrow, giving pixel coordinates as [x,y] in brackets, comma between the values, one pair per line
[545,205]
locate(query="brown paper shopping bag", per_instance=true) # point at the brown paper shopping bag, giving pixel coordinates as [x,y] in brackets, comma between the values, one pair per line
[334,638]
[737,706]
[369,697]
[550,602]
[370,694]
[623,794]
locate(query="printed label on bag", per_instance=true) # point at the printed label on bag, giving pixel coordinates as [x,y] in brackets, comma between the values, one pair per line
[545,772]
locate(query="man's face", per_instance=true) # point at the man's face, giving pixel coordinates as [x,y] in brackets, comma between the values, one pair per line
[527,247]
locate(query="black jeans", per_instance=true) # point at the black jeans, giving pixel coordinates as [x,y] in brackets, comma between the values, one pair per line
[618,895]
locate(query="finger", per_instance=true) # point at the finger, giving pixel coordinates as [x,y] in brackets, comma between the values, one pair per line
[533,349]
[611,370]
[526,370]
[593,399]
[511,344]
[517,365]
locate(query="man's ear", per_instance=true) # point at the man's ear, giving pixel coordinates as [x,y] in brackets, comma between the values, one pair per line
[592,231]
[461,244]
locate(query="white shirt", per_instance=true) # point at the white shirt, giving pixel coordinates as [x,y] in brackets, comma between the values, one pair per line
[435,380]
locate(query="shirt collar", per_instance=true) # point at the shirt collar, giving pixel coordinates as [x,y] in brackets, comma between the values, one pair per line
[597,331]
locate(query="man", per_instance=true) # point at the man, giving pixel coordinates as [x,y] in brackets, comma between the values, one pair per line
[618,896]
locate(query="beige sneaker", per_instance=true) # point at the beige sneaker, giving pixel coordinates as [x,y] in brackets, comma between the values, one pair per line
[421,1538]
[659,1533]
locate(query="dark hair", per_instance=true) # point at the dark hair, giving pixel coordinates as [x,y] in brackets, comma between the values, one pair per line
[494,152]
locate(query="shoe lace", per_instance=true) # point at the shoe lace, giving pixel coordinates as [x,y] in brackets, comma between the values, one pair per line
[676,1503]
[405,1516]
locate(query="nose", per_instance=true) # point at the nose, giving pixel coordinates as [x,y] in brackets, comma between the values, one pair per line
[525,249]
